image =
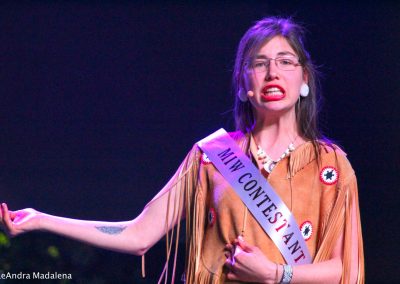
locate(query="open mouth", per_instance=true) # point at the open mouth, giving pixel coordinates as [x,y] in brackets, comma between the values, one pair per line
[272,93]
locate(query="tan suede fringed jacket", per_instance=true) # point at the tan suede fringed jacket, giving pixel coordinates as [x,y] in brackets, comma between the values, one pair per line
[320,192]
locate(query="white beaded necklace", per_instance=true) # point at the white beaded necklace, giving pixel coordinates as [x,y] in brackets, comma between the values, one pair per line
[268,163]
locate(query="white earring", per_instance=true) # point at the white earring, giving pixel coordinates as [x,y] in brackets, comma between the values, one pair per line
[242,95]
[304,90]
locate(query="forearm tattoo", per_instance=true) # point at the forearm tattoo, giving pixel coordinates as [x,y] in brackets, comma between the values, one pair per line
[111,230]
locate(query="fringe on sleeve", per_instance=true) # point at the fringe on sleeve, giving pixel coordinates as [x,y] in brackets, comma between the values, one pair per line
[340,222]
[183,199]
[195,225]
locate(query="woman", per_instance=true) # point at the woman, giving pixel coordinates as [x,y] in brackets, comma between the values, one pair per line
[276,117]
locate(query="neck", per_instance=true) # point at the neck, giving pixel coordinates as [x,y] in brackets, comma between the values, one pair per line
[274,134]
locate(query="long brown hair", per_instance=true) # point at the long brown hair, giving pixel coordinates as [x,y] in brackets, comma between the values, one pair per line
[260,33]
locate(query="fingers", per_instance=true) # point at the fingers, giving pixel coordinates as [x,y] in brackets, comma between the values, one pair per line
[3,211]
[5,216]
[7,219]
[232,276]
[232,254]
[228,247]
[238,251]
[232,251]
[228,262]
[230,266]
[229,250]
[243,244]
[1,215]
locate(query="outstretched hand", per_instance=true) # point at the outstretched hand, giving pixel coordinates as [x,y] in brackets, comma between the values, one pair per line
[248,264]
[18,222]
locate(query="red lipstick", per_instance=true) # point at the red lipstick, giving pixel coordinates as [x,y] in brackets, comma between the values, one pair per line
[271,93]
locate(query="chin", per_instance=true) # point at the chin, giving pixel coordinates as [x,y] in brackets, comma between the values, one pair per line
[278,108]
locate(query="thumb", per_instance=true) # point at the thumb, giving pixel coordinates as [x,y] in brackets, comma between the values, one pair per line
[244,245]
[6,215]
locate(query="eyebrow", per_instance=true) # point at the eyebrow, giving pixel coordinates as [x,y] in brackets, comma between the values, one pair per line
[282,53]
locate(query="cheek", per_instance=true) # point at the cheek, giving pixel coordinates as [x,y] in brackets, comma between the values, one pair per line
[296,84]
[255,81]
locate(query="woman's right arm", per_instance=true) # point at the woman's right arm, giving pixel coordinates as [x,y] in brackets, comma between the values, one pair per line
[135,236]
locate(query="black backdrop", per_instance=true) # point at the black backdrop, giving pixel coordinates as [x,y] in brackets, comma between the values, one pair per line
[100,101]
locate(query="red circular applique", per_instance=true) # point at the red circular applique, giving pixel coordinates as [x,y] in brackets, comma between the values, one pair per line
[329,175]
[205,160]
[212,216]
[306,230]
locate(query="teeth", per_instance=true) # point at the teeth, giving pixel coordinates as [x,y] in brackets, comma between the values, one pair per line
[273,91]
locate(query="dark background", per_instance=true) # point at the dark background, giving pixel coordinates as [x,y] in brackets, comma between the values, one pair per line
[100,102]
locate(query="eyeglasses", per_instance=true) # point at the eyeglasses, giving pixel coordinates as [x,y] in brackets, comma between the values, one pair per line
[286,63]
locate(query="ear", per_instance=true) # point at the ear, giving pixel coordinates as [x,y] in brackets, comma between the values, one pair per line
[305,76]
[247,81]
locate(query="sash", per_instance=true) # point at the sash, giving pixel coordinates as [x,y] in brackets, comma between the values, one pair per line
[258,195]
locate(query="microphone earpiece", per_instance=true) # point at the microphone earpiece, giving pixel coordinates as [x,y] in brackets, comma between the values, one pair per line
[250,93]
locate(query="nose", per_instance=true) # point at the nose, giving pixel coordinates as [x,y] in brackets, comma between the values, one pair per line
[271,72]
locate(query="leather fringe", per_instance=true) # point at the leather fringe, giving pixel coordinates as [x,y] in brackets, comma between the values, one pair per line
[205,277]
[190,194]
[195,223]
[182,190]
[340,221]
[300,158]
